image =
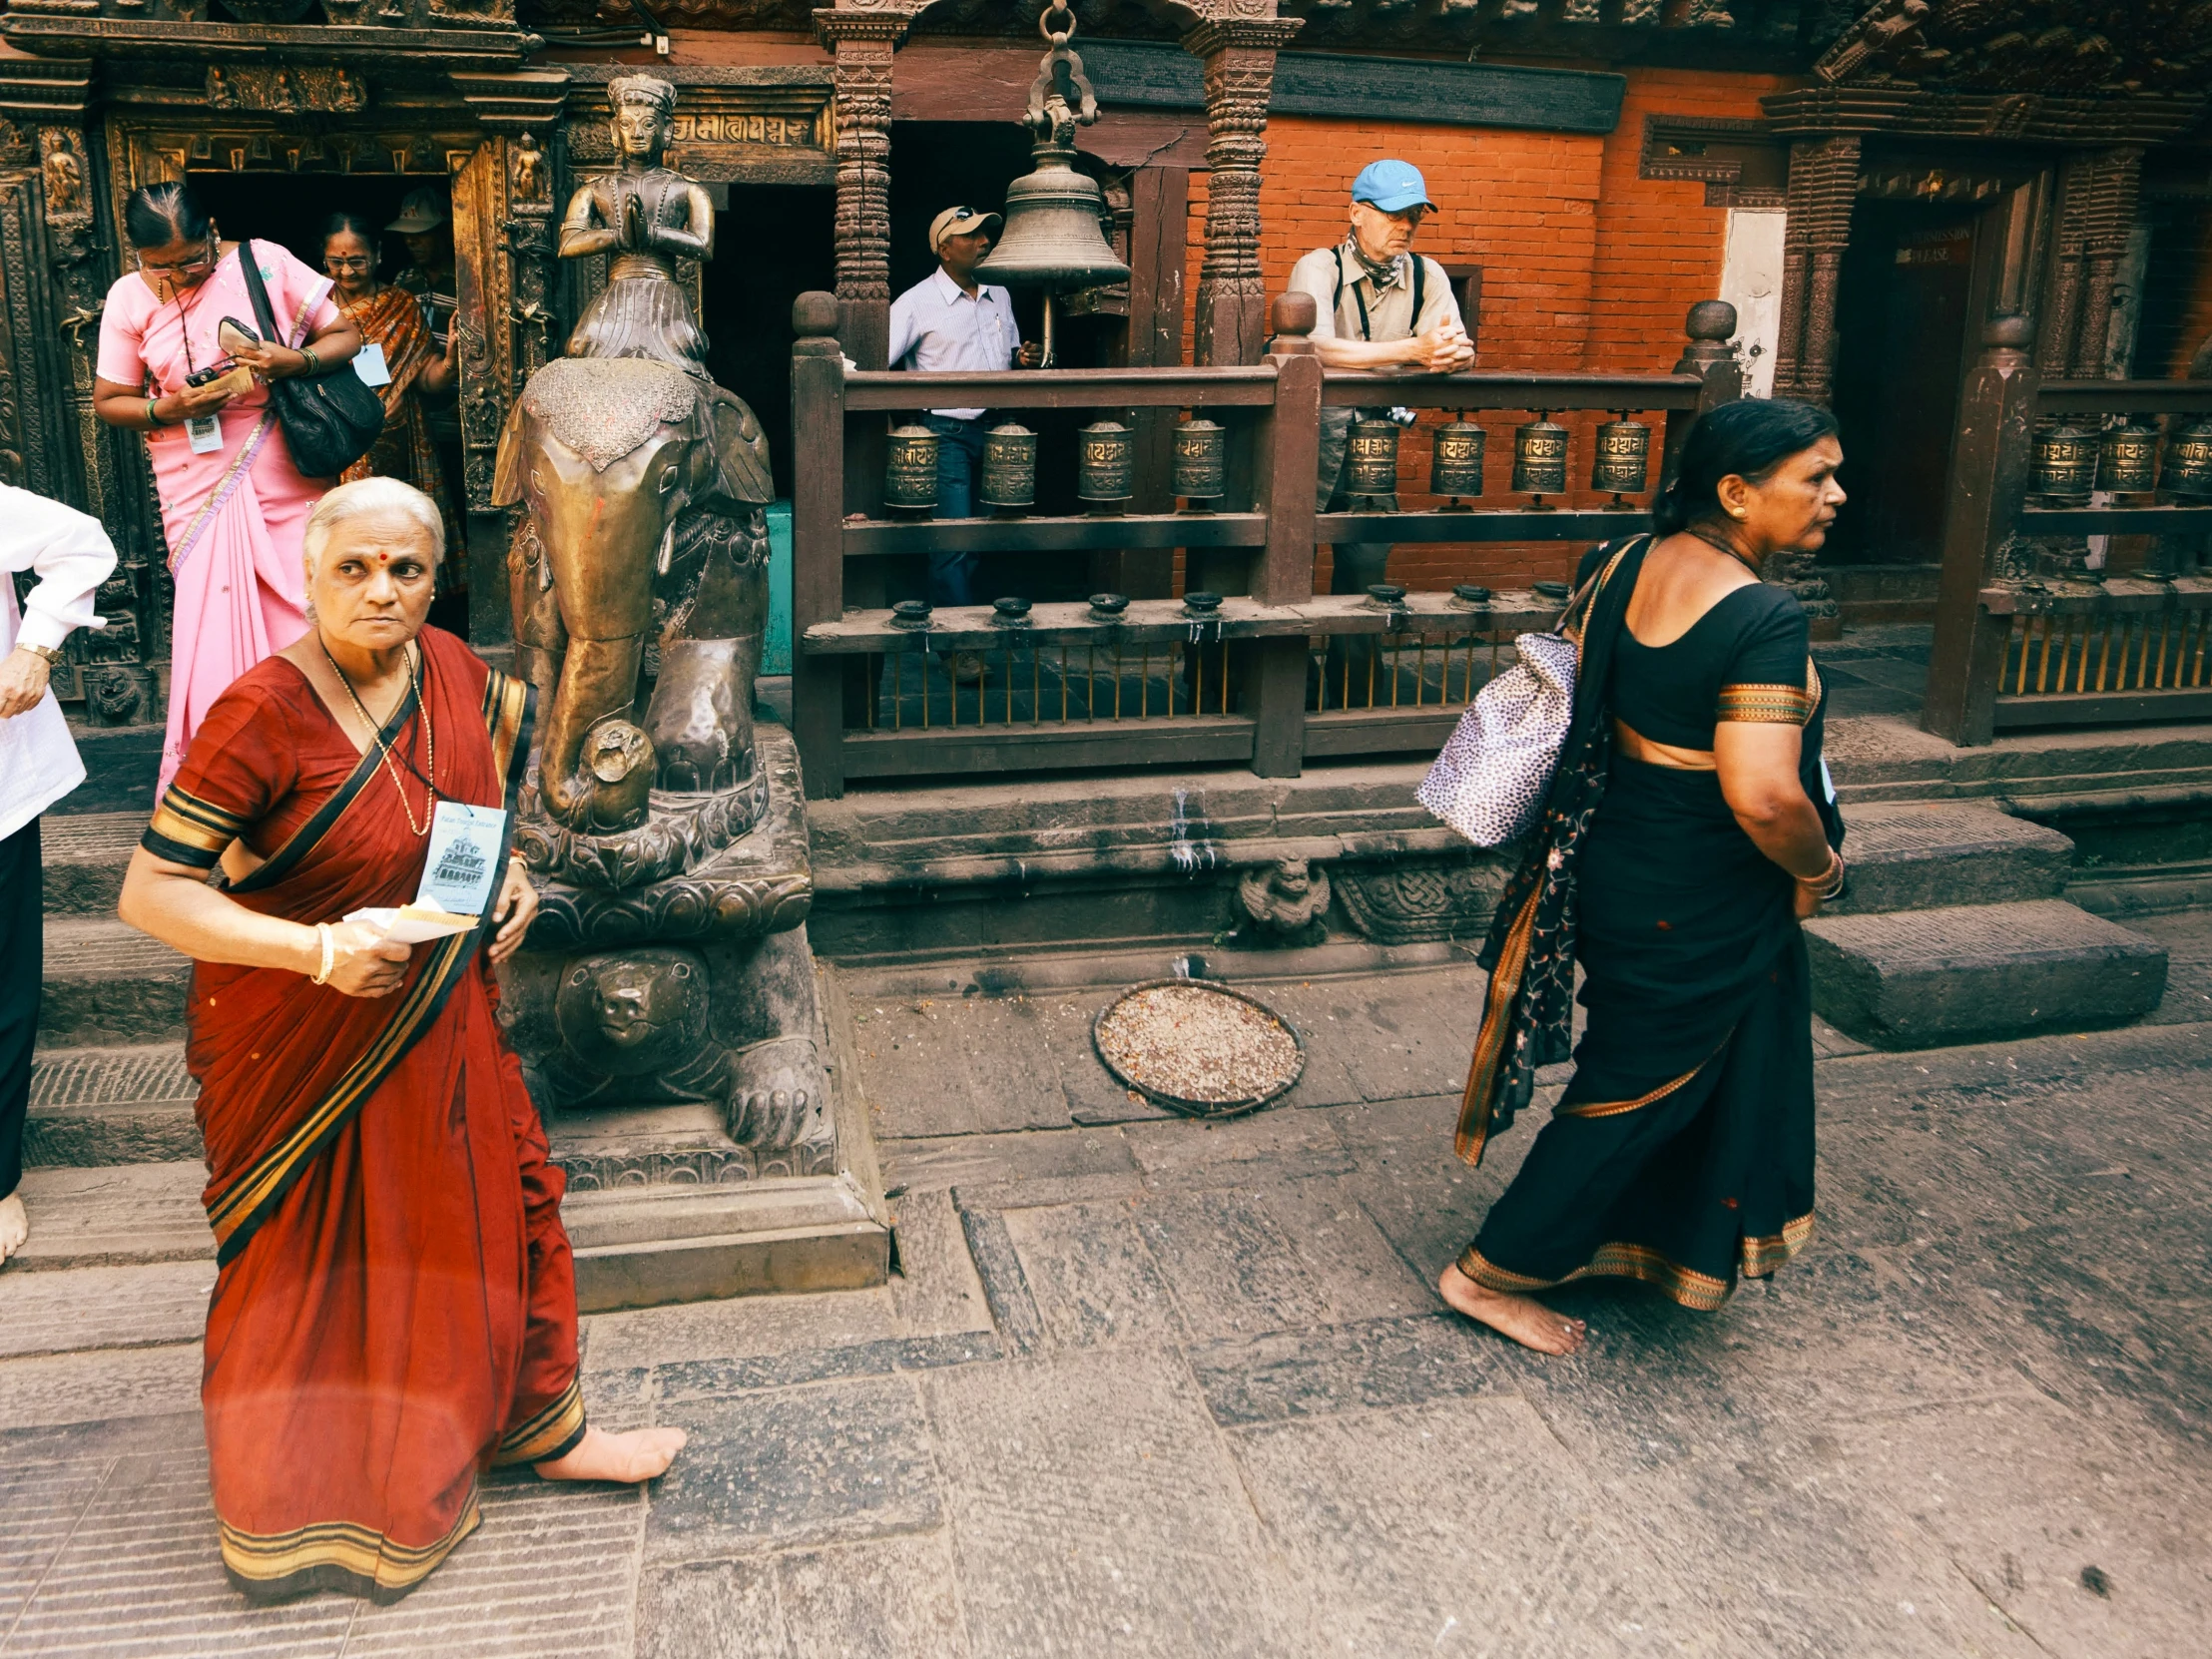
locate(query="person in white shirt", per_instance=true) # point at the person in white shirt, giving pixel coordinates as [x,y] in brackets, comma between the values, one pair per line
[72,556]
[1378,305]
[950,320]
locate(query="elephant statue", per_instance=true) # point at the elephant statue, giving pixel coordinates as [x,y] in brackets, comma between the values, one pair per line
[643,487]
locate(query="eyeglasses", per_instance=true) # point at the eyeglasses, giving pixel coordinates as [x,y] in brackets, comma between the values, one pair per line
[355,263]
[206,256]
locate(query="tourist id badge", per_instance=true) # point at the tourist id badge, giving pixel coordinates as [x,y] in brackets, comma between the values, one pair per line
[463,862]
[369,364]
[206,434]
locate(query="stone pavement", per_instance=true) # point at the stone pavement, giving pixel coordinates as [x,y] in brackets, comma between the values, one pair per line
[1164,1389]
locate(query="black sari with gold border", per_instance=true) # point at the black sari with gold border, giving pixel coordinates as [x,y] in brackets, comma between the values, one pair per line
[1681,1153]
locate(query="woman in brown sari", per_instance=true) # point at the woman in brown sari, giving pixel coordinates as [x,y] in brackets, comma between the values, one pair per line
[396,343]
[395,1306]
[1688,831]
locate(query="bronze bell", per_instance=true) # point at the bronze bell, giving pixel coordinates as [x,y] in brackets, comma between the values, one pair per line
[2189,460]
[1373,453]
[1201,460]
[1540,457]
[910,469]
[1623,463]
[1455,459]
[1054,234]
[1106,465]
[2065,463]
[1009,466]
[2127,459]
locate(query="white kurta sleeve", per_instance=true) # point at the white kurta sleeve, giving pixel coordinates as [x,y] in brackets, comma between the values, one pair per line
[70,554]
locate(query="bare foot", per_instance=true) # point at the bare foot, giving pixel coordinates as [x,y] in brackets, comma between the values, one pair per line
[629,1457]
[1522,1318]
[15,1225]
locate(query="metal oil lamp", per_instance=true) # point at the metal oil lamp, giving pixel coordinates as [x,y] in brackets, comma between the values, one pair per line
[1371,457]
[2188,470]
[1540,459]
[1105,465]
[1201,460]
[1009,467]
[1054,238]
[2065,466]
[2127,459]
[910,469]
[1623,463]
[1455,459]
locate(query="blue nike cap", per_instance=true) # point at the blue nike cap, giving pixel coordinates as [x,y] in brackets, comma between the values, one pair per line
[1391,186]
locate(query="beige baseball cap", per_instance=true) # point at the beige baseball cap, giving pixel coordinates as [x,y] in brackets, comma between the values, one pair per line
[958,221]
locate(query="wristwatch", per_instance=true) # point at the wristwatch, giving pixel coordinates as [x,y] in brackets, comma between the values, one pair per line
[52,653]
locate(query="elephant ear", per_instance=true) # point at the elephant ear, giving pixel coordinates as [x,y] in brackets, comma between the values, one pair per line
[741,454]
[509,468]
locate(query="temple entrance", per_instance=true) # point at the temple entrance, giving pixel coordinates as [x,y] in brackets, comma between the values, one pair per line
[773,242]
[1903,321]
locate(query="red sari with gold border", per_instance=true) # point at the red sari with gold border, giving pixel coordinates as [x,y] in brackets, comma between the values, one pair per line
[395,1308]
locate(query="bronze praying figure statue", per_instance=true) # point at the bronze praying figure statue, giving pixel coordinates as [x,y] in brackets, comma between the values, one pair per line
[647,216]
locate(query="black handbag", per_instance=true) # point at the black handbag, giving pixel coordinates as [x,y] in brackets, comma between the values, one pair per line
[330,419]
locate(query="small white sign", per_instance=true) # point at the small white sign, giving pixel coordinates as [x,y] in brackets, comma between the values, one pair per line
[1828,782]
[206,434]
[462,866]
[369,364]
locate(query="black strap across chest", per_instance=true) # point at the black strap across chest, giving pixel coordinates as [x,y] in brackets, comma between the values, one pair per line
[1421,273]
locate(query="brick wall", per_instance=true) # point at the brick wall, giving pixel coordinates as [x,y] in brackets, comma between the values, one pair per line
[1586,265]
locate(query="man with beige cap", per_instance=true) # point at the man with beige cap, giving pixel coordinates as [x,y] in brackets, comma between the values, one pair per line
[948,320]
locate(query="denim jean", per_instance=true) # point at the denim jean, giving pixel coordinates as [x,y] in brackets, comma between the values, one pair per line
[960,459]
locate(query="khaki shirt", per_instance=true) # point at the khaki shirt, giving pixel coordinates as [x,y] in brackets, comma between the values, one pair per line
[1389,310]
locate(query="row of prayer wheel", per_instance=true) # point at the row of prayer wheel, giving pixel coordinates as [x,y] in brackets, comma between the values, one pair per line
[2071,461]
[1106,454]
[1622,464]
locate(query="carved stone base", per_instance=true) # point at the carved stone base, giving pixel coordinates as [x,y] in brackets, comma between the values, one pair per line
[1424,901]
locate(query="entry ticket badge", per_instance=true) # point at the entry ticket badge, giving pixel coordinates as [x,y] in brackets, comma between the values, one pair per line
[369,364]
[1828,782]
[464,859]
[206,434]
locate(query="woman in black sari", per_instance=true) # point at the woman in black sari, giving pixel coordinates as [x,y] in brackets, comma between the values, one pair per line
[1689,830]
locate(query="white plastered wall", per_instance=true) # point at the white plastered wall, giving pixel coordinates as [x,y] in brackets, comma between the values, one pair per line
[1751,280]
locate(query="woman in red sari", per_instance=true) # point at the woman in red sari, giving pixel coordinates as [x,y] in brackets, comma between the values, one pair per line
[395,1310]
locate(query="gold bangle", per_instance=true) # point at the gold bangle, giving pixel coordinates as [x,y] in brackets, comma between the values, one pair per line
[329,939]
[52,653]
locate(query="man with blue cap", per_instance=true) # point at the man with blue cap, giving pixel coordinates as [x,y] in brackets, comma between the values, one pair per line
[1378,305]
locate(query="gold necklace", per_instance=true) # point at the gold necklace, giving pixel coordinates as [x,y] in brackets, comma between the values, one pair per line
[376,736]
[1724,546]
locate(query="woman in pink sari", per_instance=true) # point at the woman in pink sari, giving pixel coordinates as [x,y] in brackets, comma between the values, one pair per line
[234,507]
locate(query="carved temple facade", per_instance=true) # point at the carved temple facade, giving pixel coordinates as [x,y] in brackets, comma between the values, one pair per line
[1867,186]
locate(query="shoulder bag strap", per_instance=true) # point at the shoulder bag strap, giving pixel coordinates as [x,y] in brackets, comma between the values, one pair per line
[1421,273]
[252,270]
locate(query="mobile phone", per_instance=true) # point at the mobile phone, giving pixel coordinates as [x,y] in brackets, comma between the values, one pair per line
[235,336]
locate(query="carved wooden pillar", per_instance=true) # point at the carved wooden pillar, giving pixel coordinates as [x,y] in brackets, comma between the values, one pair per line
[862,43]
[2108,224]
[1824,186]
[503,248]
[1239,53]
[2060,323]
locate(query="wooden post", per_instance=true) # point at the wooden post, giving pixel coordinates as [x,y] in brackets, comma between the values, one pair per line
[817,539]
[1160,200]
[1711,326]
[863,41]
[1239,53]
[1989,482]
[1823,188]
[1287,448]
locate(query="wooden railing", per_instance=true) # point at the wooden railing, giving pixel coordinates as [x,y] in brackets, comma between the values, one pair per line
[1165,682]
[2025,640]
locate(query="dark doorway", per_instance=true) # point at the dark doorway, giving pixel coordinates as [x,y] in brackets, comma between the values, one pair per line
[290,208]
[773,242]
[1901,317]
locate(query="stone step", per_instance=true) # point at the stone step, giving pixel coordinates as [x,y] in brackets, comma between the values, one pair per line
[85,855]
[96,1106]
[115,1215]
[1918,855]
[1979,972]
[107,983]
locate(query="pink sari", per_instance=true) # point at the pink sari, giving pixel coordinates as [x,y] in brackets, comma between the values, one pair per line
[234,517]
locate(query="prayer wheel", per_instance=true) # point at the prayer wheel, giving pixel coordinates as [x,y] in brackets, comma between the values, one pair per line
[1106,465]
[910,469]
[2189,460]
[1623,463]
[1540,457]
[2065,461]
[2127,459]
[1455,459]
[1201,460]
[1009,466]
[1372,458]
